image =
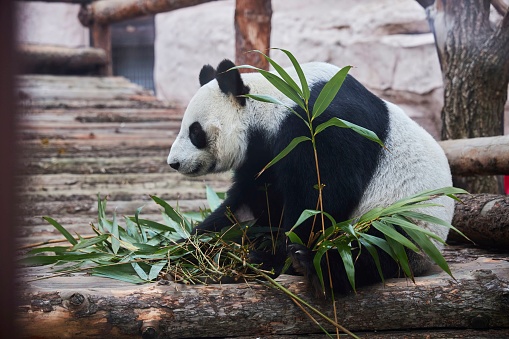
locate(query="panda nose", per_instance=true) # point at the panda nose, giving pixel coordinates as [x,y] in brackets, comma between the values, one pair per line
[175,165]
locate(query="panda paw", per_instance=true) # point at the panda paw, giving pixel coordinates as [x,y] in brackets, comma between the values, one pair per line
[302,261]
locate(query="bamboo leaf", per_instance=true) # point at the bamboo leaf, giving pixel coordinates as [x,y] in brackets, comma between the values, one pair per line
[300,73]
[285,152]
[294,238]
[317,263]
[430,249]
[123,272]
[90,242]
[374,254]
[380,243]
[407,225]
[212,198]
[283,87]
[156,269]
[170,211]
[390,232]
[286,77]
[115,237]
[140,271]
[366,133]
[431,219]
[62,230]
[329,91]
[402,258]
[345,252]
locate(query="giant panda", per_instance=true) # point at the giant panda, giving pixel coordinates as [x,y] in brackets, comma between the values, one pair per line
[222,130]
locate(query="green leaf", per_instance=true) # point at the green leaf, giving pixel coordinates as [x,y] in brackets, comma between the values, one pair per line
[264,98]
[401,256]
[115,237]
[53,249]
[406,225]
[123,272]
[294,238]
[345,251]
[366,133]
[329,91]
[62,230]
[90,242]
[390,232]
[374,254]
[140,271]
[430,249]
[137,220]
[155,225]
[156,269]
[300,73]
[431,219]
[285,152]
[380,243]
[68,257]
[283,87]
[286,77]
[133,230]
[170,211]
[317,263]
[212,198]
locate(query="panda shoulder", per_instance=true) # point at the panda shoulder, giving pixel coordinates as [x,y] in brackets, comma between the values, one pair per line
[319,71]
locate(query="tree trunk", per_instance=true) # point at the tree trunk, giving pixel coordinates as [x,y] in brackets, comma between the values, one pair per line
[475,68]
[101,38]
[252,32]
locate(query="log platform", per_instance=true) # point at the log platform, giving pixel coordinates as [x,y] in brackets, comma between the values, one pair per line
[81,136]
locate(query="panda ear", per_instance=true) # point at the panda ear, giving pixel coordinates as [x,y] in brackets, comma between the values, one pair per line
[207,74]
[230,82]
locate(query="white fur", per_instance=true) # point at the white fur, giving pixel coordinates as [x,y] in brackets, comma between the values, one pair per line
[408,143]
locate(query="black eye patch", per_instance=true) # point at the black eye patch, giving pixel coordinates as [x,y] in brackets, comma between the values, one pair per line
[197,135]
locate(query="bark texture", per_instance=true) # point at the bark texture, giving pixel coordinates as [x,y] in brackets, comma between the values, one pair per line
[101,38]
[110,11]
[252,32]
[484,219]
[478,156]
[475,68]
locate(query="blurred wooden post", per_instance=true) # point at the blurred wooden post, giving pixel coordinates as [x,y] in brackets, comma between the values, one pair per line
[101,38]
[7,186]
[252,31]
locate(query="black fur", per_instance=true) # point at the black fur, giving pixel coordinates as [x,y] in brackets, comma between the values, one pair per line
[347,163]
[207,74]
[230,82]
[197,135]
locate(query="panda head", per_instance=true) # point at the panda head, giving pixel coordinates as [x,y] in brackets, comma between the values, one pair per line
[213,134]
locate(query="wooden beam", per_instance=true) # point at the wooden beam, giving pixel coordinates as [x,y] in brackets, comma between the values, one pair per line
[101,38]
[478,156]
[110,11]
[99,308]
[44,59]
[62,1]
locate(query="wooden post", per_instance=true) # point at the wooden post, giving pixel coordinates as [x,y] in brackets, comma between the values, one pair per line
[7,183]
[252,32]
[101,38]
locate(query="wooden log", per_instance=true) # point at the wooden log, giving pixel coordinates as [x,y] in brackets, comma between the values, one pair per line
[252,32]
[44,59]
[110,11]
[484,218]
[478,156]
[101,38]
[83,306]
